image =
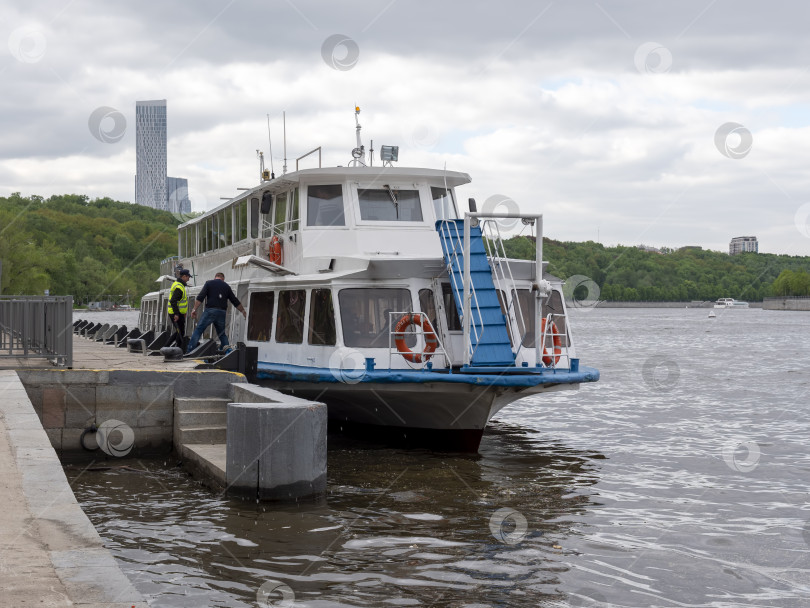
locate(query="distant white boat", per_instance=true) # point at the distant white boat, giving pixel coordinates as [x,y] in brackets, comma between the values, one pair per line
[730,303]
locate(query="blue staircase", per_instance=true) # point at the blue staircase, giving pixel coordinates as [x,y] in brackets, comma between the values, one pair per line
[488,334]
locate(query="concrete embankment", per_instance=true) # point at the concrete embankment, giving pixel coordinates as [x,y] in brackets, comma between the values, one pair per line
[70,401]
[796,304]
[693,304]
[50,553]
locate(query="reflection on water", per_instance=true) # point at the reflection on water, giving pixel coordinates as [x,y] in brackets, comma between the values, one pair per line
[408,525]
[680,479]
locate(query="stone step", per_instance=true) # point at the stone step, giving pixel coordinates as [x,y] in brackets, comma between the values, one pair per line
[200,404]
[185,419]
[200,434]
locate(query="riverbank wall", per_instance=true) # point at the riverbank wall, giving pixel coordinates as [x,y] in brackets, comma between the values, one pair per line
[692,304]
[798,303]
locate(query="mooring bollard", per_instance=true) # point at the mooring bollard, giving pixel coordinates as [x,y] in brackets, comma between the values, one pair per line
[277,451]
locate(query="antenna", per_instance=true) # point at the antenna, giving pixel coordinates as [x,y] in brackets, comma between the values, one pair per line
[371,154]
[284,168]
[270,142]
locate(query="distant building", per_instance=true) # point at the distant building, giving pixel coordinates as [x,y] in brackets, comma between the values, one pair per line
[740,244]
[178,200]
[152,186]
[648,248]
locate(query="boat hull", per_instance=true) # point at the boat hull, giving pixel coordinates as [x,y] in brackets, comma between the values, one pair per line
[449,415]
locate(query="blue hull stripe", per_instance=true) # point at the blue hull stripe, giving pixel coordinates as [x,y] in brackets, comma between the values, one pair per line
[300,373]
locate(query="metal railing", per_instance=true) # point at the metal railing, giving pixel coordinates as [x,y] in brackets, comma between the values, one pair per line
[37,327]
[416,357]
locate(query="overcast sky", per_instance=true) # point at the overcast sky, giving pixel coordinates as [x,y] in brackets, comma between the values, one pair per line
[611,117]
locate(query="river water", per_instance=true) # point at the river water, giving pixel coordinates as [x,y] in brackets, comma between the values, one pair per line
[680,479]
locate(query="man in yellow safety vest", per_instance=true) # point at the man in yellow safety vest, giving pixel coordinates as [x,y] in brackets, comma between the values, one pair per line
[178,307]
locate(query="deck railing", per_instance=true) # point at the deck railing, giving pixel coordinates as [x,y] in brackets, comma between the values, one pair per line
[37,327]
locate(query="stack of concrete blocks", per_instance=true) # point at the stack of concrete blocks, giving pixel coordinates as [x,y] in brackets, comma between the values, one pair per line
[276,445]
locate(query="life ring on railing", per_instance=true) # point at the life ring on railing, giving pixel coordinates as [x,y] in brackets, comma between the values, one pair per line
[276,250]
[555,338]
[431,341]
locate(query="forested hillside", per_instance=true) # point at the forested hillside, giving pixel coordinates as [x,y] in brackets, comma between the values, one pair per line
[74,246]
[631,274]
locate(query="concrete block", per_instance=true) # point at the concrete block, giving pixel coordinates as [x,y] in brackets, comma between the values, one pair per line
[156,437]
[127,414]
[280,445]
[51,378]
[293,460]
[200,404]
[55,437]
[252,393]
[187,419]
[80,406]
[53,408]
[205,434]
[208,383]
[243,449]
[70,441]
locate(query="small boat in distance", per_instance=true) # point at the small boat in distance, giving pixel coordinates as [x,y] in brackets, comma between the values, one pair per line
[730,303]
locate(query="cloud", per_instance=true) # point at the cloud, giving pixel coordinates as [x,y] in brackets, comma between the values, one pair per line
[540,102]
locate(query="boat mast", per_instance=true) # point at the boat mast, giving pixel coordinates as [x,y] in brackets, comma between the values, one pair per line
[359,153]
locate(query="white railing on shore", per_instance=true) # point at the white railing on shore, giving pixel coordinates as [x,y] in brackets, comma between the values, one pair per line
[37,327]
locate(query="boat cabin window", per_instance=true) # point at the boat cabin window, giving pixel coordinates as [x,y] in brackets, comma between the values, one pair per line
[428,305]
[322,330]
[290,322]
[294,212]
[260,319]
[227,230]
[280,216]
[390,205]
[450,310]
[366,318]
[525,312]
[325,205]
[443,204]
[254,218]
[243,218]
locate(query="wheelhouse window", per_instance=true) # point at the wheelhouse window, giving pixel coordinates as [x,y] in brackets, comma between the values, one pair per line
[525,313]
[450,310]
[228,227]
[260,319]
[443,204]
[322,330]
[280,218]
[325,205]
[243,219]
[290,322]
[294,211]
[428,306]
[254,218]
[365,314]
[390,205]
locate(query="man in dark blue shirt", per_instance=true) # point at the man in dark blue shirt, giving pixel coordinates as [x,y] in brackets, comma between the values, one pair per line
[216,293]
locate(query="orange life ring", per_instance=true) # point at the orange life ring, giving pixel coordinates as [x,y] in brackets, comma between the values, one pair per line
[555,338]
[276,250]
[431,341]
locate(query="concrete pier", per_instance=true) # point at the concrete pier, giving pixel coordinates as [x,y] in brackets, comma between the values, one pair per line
[50,553]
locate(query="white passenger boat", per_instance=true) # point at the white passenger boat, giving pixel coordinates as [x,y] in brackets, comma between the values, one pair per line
[730,303]
[368,290]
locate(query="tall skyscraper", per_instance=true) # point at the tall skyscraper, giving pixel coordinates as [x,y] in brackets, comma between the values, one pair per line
[150,149]
[741,244]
